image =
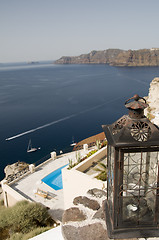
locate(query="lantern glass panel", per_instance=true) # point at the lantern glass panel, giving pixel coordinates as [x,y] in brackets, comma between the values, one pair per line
[139,188]
[110,178]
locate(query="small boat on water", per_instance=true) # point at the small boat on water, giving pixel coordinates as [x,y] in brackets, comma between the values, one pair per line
[30,148]
[73,142]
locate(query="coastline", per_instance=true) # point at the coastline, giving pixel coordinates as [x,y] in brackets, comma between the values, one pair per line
[116,57]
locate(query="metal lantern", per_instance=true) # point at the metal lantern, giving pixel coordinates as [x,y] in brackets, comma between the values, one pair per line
[132,204]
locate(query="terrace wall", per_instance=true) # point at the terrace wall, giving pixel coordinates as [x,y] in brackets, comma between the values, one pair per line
[76,183]
[10,196]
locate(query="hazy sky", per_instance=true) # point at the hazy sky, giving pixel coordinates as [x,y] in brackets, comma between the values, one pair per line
[32,30]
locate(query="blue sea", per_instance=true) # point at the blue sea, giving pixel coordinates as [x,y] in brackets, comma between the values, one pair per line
[51,104]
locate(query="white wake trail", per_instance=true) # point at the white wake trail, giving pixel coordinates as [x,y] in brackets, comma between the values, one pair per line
[62,119]
[43,126]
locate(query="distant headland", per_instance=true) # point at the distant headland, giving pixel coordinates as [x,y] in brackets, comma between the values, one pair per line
[116,57]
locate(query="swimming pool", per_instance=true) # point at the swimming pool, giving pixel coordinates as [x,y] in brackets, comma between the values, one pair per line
[54,179]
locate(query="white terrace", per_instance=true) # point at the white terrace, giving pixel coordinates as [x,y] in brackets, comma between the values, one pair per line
[26,187]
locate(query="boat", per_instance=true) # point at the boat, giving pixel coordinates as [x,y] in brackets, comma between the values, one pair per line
[73,142]
[30,148]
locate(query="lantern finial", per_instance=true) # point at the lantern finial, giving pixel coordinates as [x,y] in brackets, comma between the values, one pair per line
[136,107]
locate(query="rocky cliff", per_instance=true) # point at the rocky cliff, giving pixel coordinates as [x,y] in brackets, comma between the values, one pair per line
[116,57]
[153,101]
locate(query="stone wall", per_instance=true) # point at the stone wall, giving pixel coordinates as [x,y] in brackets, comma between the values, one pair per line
[85,219]
[153,101]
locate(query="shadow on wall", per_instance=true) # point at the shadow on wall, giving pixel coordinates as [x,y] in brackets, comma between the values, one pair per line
[56,214]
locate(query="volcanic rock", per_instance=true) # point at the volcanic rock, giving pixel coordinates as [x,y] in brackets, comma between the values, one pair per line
[95,192]
[90,203]
[73,214]
[89,232]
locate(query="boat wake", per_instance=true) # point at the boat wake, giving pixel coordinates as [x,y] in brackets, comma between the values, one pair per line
[62,119]
[38,128]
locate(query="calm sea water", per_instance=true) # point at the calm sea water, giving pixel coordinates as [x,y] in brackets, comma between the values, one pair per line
[54,103]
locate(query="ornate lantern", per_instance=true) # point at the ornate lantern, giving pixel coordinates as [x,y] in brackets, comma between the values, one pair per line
[132,204]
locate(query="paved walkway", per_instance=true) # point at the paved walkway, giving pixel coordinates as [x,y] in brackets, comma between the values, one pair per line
[28,185]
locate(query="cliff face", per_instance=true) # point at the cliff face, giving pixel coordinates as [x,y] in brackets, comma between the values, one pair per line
[153,101]
[116,57]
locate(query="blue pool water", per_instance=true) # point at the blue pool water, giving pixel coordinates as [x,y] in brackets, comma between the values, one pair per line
[54,179]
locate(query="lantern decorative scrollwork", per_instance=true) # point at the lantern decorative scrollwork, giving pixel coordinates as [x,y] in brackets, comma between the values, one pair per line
[140,131]
[119,125]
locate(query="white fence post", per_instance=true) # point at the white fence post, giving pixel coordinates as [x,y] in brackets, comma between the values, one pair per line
[85,147]
[53,155]
[32,168]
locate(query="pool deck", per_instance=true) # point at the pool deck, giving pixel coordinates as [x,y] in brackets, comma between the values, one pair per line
[28,185]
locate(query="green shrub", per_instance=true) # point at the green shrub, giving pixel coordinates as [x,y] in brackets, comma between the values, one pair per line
[28,216]
[4,215]
[16,236]
[71,164]
[1,202]
[102,172]
[31,234]
[102,176]
[23,217]
[104,143]
[79,159]
[91,153]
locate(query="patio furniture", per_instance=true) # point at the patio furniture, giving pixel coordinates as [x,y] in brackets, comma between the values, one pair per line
[44,194]
[41,193]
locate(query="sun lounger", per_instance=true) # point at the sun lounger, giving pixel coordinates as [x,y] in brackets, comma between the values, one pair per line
[44,194]
[41,193]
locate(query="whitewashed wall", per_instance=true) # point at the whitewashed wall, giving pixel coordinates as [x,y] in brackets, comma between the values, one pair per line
[11,197]
[77,183]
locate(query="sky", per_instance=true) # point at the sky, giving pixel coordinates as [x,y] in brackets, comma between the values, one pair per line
[34,30]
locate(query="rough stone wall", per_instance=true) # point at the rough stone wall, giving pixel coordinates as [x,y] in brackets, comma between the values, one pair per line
[85,219]
[153,101]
